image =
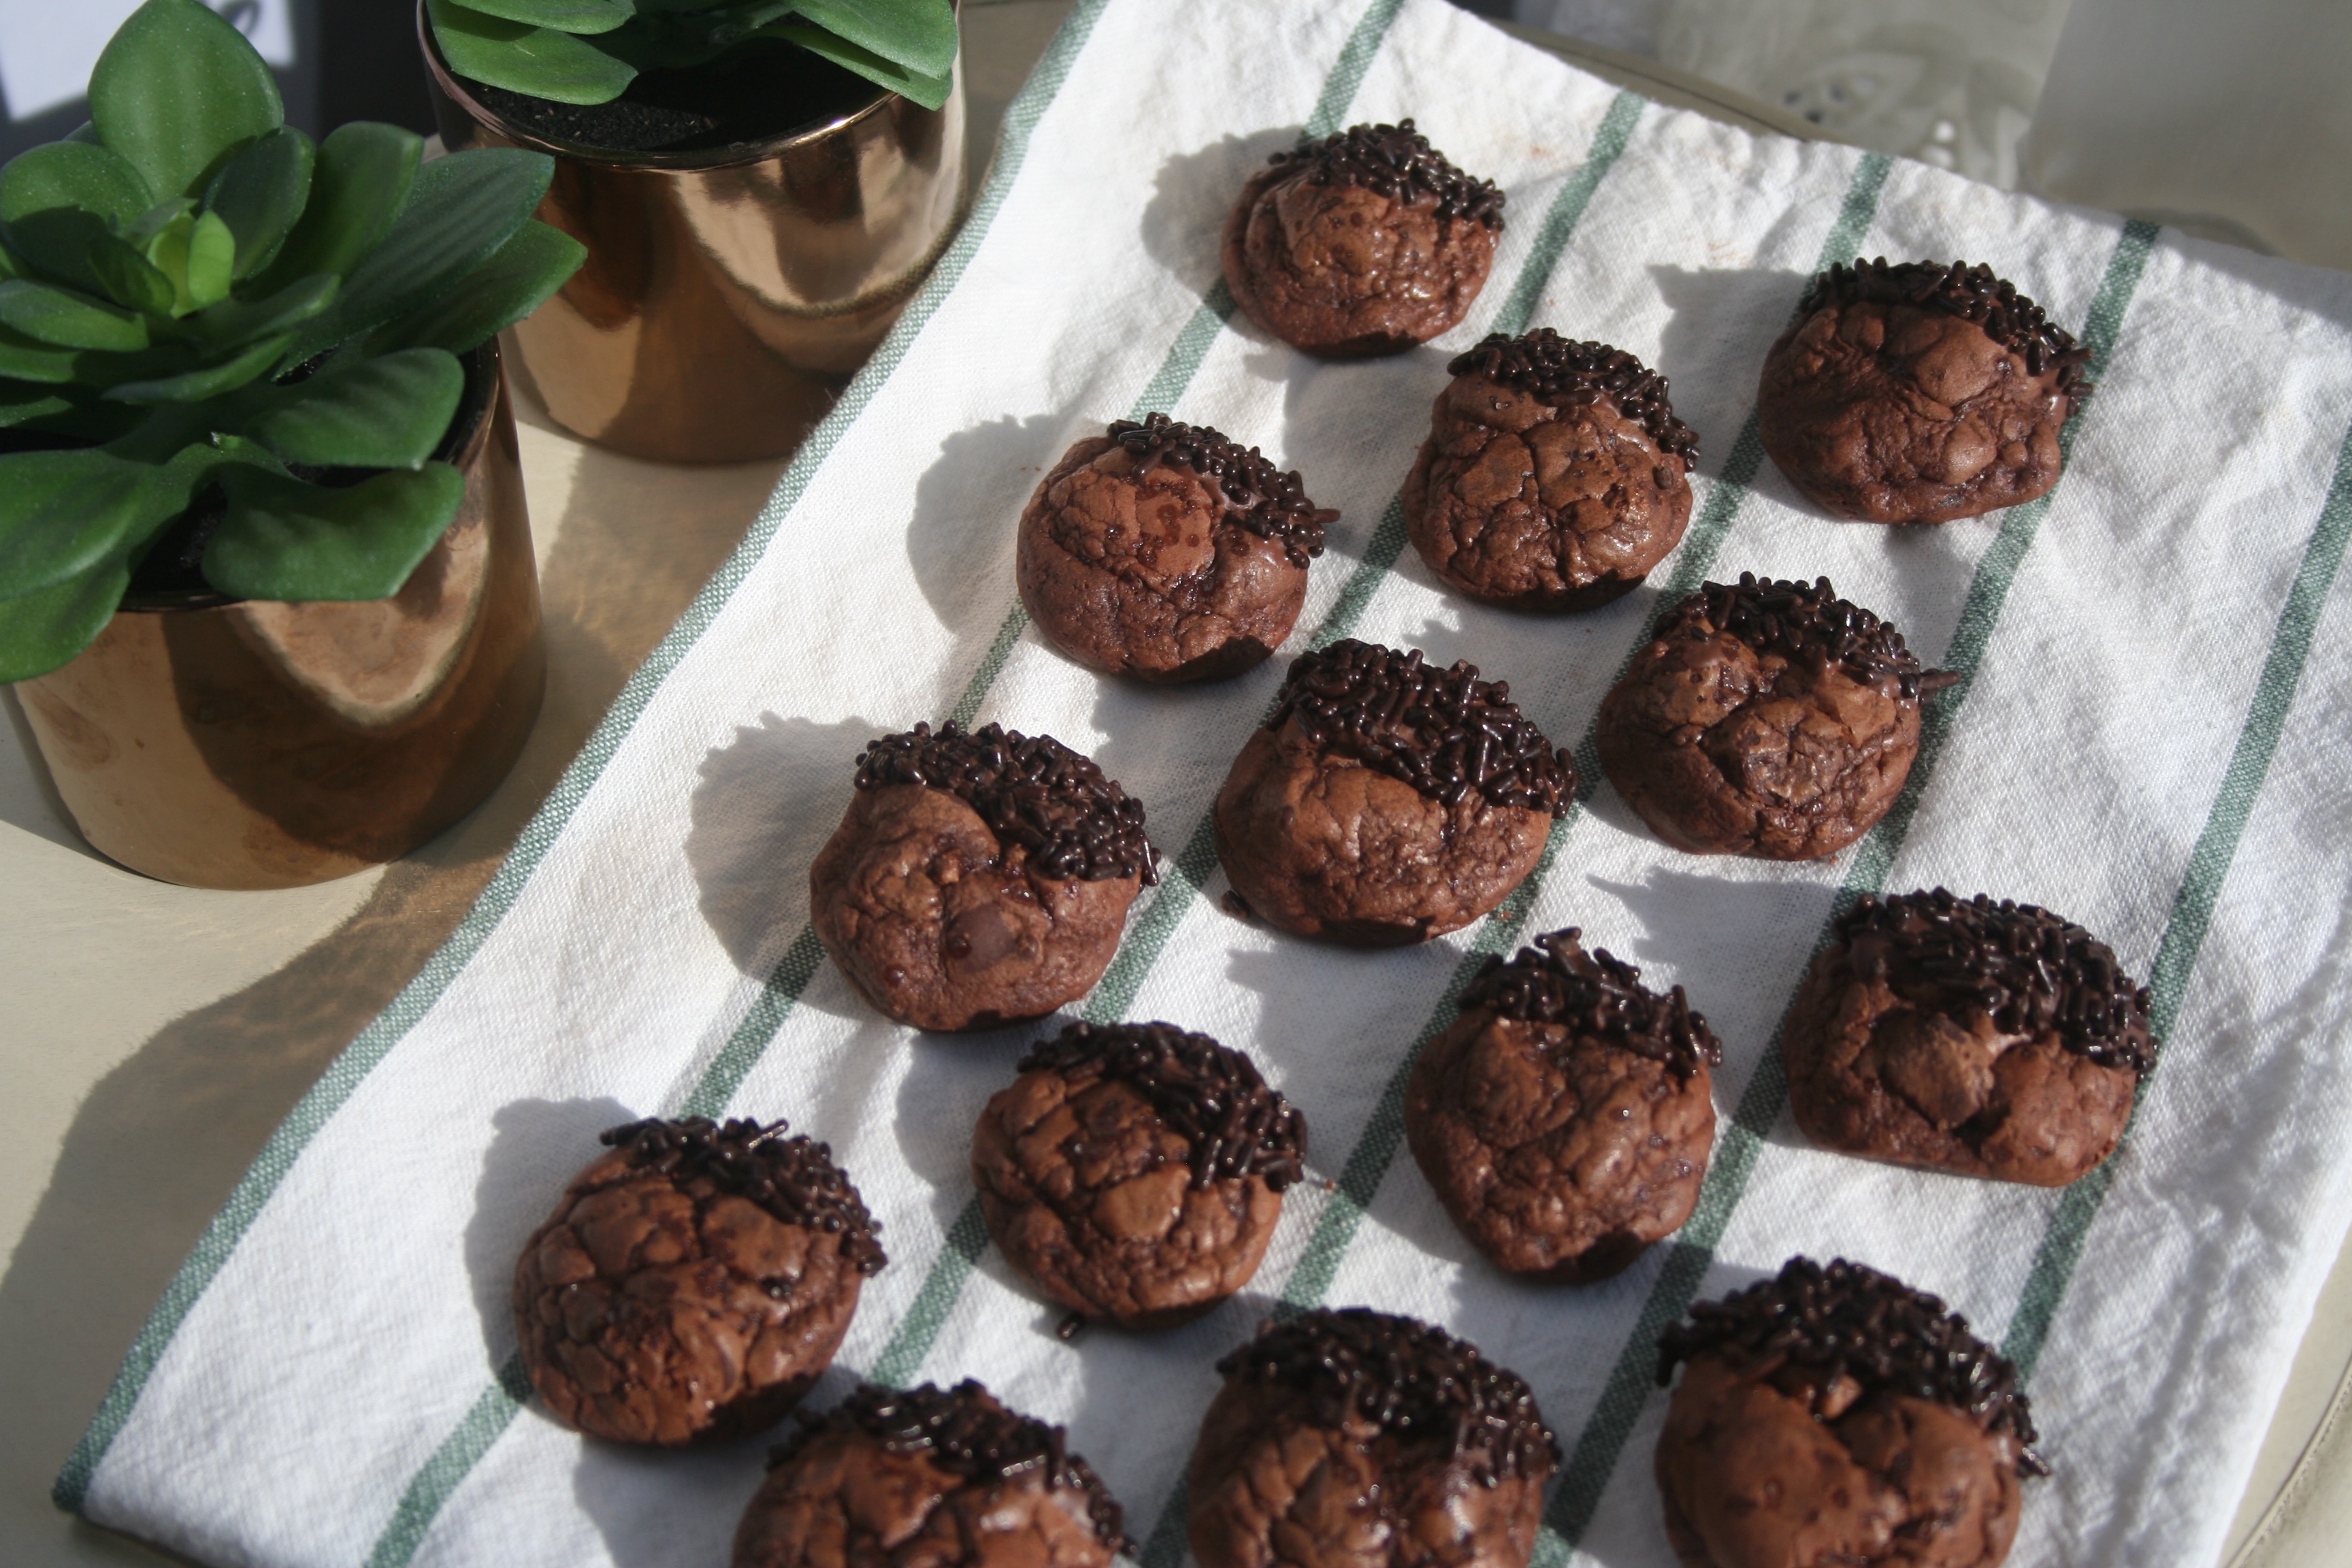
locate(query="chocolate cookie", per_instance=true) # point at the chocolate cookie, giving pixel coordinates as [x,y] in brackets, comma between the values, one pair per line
[1136,1171]
[977,878]
[1386,801]
[1988,1039]
[1835,1417]
[1918,393]
[1552,477]
[1364,243]
[1355,1439]
[1564,1117]
[692,1283]
[928,1479]
[1165,551]
[1767,719]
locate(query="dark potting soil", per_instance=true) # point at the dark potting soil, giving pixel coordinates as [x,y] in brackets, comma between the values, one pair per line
[764,90]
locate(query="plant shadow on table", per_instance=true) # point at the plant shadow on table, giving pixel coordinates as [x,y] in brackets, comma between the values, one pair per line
[161,1141]
[763,805]
[537,1147]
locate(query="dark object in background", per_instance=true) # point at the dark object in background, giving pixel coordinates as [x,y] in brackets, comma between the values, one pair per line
[353,59]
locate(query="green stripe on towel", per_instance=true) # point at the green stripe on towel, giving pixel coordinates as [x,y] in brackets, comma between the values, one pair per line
[1189,871]
[2192,908]
[429,1491]
[1593,1459]
[1375,1149]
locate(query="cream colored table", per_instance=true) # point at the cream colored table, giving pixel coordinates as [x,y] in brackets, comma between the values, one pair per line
[151,1037]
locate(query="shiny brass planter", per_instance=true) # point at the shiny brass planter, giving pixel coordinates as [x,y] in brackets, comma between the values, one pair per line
[728,295]
[250,745]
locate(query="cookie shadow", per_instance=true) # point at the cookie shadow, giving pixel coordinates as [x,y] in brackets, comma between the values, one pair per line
[670,1505]
[1184,224]
[939,1099]
[538,1146]
[1723,322]
[763,807]
[968,506]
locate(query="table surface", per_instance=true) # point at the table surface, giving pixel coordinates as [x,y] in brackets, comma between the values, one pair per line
[151,1037]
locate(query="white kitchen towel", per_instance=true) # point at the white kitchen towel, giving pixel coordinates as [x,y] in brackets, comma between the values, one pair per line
[2148,736]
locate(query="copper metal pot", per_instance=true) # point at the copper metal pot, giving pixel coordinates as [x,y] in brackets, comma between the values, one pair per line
[728,295]
[253,745]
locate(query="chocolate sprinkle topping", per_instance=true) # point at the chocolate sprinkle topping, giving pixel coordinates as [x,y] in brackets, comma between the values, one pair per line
[1597,995]
[1258,495]
[791,1178]
[1846,1321]
[1397,162]
[1809,625]
[1411,1380]
[1209,1095]
[2023,967]
[1031,790]
[1972,293]
[1446,732]
[1569,374]
[966,1433]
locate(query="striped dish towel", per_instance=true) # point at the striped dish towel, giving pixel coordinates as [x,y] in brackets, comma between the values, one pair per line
[2147,735]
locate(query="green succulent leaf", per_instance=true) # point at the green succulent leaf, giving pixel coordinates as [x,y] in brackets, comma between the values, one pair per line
[206,381]
[142,230]
[86,133]
[286,540]
[462,209]
[260,192]
[23,402]
[130,279]
[363,174]
[55,200]
[235,321]
[29,359]
[68,319]
[918,39]
[930,91]
[72,174]
[44,629]
[389,411]
[62,513]
[516,280]
[196,252]
[177,91]
[582,17]
[545,62]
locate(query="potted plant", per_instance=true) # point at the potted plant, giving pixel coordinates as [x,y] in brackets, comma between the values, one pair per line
[266,579]
[761,185]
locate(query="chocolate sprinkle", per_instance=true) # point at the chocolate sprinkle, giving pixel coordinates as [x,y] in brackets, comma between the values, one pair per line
[1258,495]
[1598,997]
[1972,293]
[1209,1095]
[791,1178]
[1397,162]
[1446,732]
[2027,969]
[1569,374]
[1408,1378]
[966,1433]
[1031,790]
[1846,1321]
[1808,626]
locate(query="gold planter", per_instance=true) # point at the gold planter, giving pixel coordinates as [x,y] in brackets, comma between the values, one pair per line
[252,744]
[728,294]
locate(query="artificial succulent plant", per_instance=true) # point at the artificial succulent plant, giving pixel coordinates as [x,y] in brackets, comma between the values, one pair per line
[192,294]
[588,52]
